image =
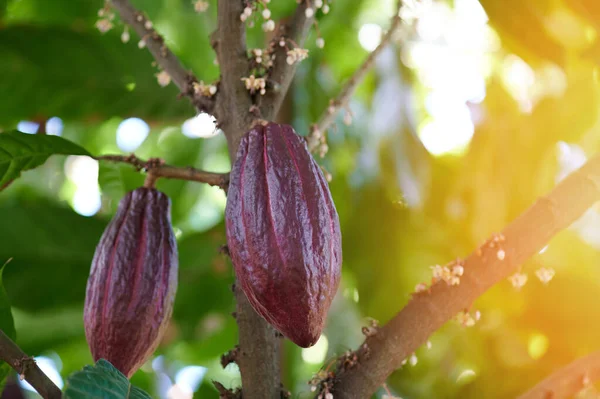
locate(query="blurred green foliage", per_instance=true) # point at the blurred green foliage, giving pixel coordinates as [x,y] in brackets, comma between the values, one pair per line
[54,62]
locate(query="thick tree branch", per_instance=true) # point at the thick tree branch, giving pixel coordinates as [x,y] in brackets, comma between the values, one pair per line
[234,101]
[26,367]
[567,381]
[258,356]
[164,57]
[282,74]
[158,169]
[384,351]
[350,86]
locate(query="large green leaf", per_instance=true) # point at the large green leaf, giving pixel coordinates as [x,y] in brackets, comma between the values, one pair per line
[6,319]
[7,325]
[20,152]
[97,77]
[205,278]
[101,381]
[52,249]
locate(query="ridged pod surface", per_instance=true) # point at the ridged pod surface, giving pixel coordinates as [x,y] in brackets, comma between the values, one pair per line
[132,282]
[283,232]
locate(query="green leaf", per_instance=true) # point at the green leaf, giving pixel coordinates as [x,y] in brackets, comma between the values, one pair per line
[101,381]
[120,76]
[7,325]
[20,152]
[52,249]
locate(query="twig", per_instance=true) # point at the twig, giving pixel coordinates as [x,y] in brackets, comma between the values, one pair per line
[384,352]
[164,57]
[567,381]
[282,74]
[159,169]
[225,393]
[26,367]
[343,97]
[230,356]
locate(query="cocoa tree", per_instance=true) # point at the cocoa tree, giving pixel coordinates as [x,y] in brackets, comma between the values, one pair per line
[248,94]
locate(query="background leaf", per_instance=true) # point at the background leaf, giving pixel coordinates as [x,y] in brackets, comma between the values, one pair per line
[20,152]
[101,381]
[51,264]
[7,325]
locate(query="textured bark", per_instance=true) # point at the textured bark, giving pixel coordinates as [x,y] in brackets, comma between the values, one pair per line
[26,367]
[258,357]
[569,380]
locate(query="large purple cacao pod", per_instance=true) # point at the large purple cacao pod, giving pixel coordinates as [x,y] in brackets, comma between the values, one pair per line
[132,282]
[283,232]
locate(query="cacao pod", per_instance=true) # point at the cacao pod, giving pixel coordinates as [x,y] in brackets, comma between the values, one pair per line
[132,283]
[283,232]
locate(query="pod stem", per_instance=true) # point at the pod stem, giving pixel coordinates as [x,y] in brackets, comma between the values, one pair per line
[150,180]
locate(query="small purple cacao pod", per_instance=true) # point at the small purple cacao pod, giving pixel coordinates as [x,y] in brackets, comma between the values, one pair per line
[283,232]
[132,283]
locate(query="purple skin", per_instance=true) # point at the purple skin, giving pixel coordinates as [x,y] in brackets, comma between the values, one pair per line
[132,283]
[283,232]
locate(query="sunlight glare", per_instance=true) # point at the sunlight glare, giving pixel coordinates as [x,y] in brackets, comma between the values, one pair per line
[433,23]
[83,172]
[537,346]
[316,354]
[449,132]
[131,133]
[201,126]
[54,126]
[466,376]
[519,79]
[570,158]
[190,377]
[28,127]
[87,200]
[369,36]
[49,368]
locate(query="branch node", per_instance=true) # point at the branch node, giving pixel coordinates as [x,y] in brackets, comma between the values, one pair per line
[230,356]
[224,250]
[23,364]
[225,393]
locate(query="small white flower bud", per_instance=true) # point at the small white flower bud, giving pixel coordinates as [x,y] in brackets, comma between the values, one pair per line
[269,26]
[125,36]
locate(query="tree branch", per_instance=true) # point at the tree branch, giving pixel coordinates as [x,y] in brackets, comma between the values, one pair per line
[343,97]
[567,381]
[234,100]
[282,74]
[258,357]
[164,57]
[159,169]
[384,351]
[26,367]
